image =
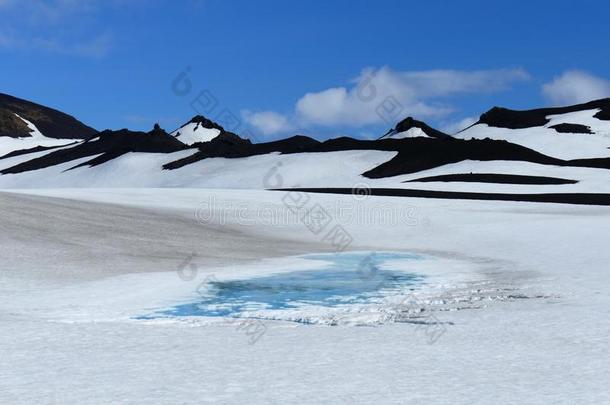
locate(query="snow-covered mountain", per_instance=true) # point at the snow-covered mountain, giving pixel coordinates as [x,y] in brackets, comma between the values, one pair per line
[575,132]
[559,151]
[25,125]
[412,128]
[198,129]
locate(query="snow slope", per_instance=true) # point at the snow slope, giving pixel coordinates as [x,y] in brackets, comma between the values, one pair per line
[323,169]
[8,144]
[67,335]
[332,169]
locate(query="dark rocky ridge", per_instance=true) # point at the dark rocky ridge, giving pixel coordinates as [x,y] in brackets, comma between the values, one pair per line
[229,145]
[34,150]
[514,119]
[409,123]
[493,178]
[414,154]
[111,144]
[572,128]
[204,122]
[417,154]
[561,198]
[52,123]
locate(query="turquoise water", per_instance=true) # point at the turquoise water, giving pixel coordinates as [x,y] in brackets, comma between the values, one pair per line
[347,278]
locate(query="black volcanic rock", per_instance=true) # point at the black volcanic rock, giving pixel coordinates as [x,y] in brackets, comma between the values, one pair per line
[494,178]
[505,118]
[294,144]
[52,123]
[229,145]
[422,154]
[572,128]
[513,119]
[226,144]
[110,145]
[156,140]
[409,123]
[205,122]
[12,126]
[417,154]
[21,152]
[562,198]
[604,114]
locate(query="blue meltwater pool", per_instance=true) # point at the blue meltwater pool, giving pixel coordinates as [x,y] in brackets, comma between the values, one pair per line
[344,279]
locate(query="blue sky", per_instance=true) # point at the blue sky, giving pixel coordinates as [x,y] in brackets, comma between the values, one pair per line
[276,68]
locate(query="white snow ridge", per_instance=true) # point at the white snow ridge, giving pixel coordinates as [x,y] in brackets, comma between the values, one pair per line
[193,132]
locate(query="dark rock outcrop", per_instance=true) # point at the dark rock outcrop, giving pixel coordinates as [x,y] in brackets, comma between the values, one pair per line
[572,128]
[562,198]
[409,123]
[229,145]
[495,178]
[12,126]
[52,123]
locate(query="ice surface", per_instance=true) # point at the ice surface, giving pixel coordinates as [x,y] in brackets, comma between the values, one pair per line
[521,288]
[347,278]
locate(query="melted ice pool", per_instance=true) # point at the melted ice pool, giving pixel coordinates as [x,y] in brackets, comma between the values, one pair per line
[344,280]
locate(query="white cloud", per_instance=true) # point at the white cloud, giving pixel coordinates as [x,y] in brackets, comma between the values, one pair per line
[95,47]
[373,94]
[576,86]
[51,11]
[267,122]
[384,96]
[454,127]
[65,27]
